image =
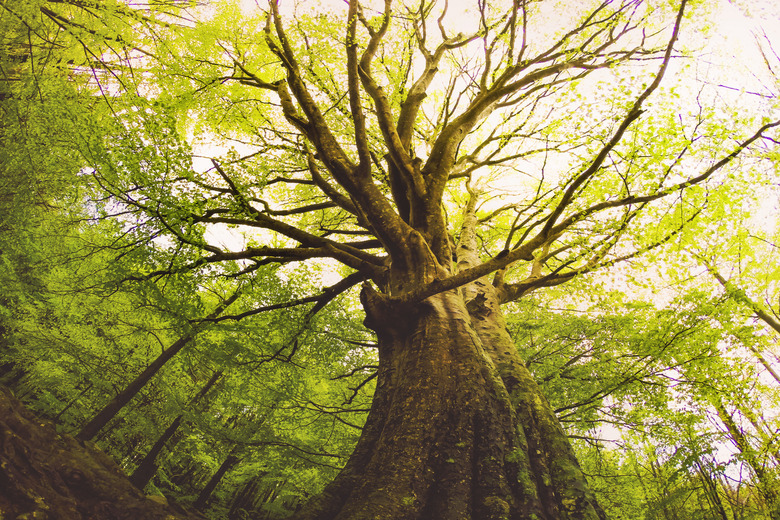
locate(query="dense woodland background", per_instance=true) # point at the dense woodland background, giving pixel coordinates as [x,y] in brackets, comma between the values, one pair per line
[663,368]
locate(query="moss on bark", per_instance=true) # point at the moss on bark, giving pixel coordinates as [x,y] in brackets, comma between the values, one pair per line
[453,433]
[45,474]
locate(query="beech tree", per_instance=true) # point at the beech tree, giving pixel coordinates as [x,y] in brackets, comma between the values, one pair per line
[448,160]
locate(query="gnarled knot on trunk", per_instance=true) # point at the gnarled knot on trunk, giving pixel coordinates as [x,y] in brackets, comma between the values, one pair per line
[384,315]
[477,306]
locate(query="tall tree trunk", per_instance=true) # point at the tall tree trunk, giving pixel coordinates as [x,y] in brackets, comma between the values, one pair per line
[148,466]
[205,494]
[10,375]
[451,433]
[458,428]
[109,411]
[662,482]
[72,402]
[245,499]
[767,482]
[710,487]
[764,432]
[102,418]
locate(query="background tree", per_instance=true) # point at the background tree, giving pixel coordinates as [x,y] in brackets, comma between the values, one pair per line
[78,315]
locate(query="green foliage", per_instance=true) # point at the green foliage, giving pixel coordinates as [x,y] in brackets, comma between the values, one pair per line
[644,393]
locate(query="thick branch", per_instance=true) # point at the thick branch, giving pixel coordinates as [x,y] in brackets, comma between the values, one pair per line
[444,149]
[353,84]
[320,300]
[356,180]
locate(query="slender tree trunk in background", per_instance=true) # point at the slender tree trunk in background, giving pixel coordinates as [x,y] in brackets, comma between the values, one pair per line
[641,478]
[764,432]
[711,490]
[767,482]
[102,418]
[10,375]
[271,494]
[72,402]
[736,504]
[767,365]
[147,468]
[761,359]
[187,476]
[246,498]
[203,498]
[740,296]
[662,481]
[232,459]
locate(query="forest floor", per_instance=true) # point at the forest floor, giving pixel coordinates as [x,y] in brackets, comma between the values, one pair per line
[48,475]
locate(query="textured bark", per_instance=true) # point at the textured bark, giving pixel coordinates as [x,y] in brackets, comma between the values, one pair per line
[457,429]
[710,486]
